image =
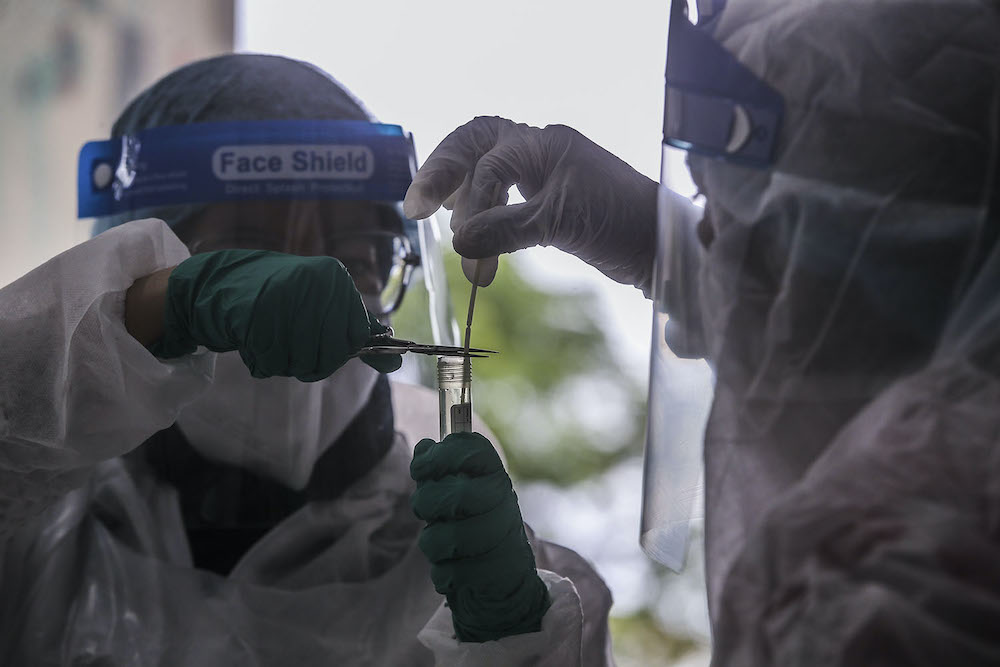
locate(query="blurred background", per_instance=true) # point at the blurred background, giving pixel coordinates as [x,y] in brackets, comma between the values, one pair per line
[566,396]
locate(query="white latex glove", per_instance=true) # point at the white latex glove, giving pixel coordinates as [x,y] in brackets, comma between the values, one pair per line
[578,197]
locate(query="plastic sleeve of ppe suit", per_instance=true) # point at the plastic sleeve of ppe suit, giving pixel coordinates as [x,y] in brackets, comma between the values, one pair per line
[558,644]
[887,552]
[76,388]
[594,594]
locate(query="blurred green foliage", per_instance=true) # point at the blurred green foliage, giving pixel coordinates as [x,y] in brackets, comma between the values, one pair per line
[554,369]
[640,641]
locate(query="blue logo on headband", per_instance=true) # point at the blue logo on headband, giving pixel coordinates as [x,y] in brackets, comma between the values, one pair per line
[244,160]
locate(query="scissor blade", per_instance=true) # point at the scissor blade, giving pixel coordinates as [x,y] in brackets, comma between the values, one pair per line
[425,349]
[448,350]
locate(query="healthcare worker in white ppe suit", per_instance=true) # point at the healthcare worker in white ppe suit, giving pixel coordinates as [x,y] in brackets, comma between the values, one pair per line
[194,470]
[843,283]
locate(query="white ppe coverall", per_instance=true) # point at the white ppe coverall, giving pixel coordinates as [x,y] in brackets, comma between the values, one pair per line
[94,566]
[847,298]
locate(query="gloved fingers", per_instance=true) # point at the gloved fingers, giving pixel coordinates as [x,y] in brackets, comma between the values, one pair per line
[467,203]
[287,315]
[468,453]
[446,167]
[458,496]
[435,182]
[457,200]
[501,229]
[493,176]
[498,573]
[344,326]
[487,266]
[487,270]
[316,312]
[376,328]
[250,361]
[265,345]
[359,325]
[383,363]
[449,203]
[471,537]
[421,448]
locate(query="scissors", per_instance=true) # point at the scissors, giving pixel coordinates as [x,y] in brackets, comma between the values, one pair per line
[386,343]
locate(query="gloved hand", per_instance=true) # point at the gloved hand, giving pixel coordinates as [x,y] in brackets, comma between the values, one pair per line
[287,315]
[475,540]
[578,197]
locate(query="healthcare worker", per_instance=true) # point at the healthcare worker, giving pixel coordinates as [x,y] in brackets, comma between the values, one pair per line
[842,283]
[194,468]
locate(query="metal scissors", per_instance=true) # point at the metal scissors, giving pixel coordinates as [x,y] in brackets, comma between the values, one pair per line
[386,343]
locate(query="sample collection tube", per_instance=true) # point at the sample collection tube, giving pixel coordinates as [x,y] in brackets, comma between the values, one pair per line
[454,395]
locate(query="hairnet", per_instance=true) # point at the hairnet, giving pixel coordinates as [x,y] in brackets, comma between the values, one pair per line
[230,88]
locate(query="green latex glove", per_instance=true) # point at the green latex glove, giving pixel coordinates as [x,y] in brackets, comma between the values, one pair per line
[475,540]
[287,315]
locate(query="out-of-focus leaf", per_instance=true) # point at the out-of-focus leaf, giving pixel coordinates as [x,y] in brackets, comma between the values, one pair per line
[547,341]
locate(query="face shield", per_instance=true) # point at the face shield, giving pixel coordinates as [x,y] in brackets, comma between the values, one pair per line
[847,208]
[255,448]
[302,187]
[714,105]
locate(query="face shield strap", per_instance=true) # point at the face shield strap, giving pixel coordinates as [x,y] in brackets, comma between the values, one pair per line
[713,104]
[413,259]
[244,160]
[411,228]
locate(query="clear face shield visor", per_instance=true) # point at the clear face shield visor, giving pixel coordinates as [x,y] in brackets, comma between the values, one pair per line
[713,106]
[822,274]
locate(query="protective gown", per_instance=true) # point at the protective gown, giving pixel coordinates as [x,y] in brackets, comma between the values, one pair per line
[95,568]
[848,299]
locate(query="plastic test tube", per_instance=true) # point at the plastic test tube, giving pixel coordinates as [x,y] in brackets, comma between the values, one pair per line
[454,395]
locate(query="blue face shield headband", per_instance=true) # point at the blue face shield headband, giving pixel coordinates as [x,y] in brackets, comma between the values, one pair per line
[244,160]
[713,104]
[247,160]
